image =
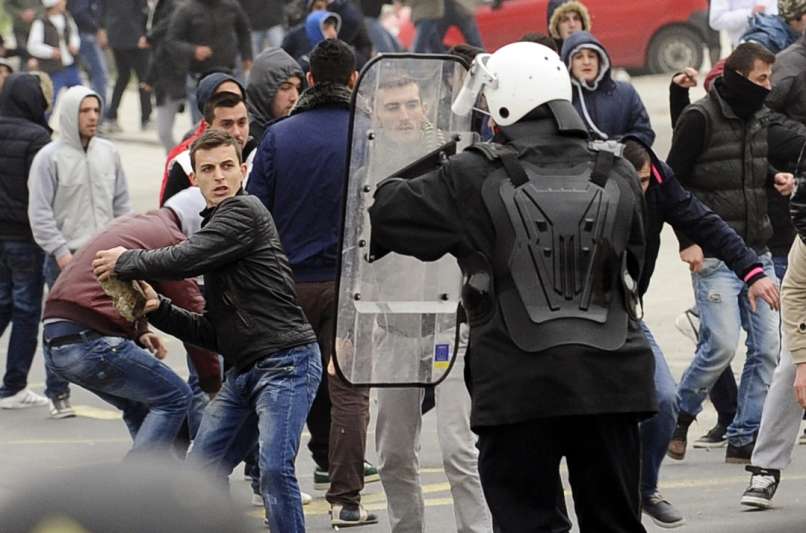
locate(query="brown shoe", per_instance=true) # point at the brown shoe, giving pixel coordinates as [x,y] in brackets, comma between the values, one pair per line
[677,446]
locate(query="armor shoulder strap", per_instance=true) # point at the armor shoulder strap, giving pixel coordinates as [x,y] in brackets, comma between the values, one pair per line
[507,156]
[606,153]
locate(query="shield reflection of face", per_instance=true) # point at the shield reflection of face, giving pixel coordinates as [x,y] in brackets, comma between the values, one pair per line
[399,313]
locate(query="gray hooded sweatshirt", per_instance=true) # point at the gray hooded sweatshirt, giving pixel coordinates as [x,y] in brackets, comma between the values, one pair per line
[74,193]
[271,69]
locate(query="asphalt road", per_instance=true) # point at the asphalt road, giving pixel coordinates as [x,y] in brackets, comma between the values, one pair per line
[705,488]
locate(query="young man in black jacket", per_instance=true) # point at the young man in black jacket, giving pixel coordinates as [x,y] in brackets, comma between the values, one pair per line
[668,202]
[23,132]
[252,319]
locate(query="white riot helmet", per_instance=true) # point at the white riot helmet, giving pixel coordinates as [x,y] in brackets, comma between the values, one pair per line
[514,80]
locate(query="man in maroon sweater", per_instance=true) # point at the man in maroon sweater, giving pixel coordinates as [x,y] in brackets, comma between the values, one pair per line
[89,343]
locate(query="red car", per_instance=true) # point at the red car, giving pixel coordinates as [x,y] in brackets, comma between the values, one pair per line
[658,36]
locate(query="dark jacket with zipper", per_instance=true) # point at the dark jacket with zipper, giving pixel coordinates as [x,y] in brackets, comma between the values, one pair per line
[220,24]
[669,203]
[126,22]
[252,310]
[23,132]
[443,212]
[731,175]
[167,70]
[297,175]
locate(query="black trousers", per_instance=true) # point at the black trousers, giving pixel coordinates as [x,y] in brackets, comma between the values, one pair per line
[125,62]
[519,465]
[724,395]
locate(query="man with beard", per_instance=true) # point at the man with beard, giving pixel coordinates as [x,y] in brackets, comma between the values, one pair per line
[719,152]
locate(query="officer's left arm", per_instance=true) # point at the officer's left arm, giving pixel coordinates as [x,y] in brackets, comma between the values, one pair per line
[418,217]
[122,203]
[690,217]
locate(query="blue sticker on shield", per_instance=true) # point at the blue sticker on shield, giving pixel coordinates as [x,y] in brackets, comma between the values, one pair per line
[442,352]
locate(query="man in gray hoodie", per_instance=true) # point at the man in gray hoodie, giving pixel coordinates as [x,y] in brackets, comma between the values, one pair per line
[76,187]
[274,86]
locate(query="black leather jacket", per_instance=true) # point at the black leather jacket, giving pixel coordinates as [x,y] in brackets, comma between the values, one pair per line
[252,309]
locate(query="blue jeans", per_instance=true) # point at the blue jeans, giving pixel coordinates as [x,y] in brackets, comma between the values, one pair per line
[64,79]
[93,59]
[721,298]
[154,400]
[55,385]
[657,431]
[21,287]
[267,404]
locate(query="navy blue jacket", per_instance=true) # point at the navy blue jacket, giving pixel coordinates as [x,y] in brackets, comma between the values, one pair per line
[299,174]
[668,202]
[610,109]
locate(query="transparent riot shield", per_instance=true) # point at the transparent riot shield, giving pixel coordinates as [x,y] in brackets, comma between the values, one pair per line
[397,316]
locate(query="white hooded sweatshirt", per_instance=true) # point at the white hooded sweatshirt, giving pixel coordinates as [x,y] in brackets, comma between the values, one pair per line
[74,193]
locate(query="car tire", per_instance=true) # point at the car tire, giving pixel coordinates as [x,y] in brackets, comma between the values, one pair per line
[674,48]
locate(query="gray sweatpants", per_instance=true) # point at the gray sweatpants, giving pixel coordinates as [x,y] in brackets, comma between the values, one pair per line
[397,440]
[780,420]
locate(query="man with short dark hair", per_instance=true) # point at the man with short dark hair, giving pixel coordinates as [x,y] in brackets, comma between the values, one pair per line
[719,152]
[299,176]
[225,111]
[251,318]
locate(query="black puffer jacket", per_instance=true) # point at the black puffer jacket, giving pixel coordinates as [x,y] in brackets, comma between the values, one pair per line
[252,310]
[220,24]
[23,132]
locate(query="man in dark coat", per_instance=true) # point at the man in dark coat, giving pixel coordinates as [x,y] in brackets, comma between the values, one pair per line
[126,27]
[23,132]
[209,35]
[611,109]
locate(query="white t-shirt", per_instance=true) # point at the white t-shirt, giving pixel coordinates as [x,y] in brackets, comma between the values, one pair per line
[731,16]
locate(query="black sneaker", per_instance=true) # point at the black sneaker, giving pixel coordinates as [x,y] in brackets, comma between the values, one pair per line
[677,446]
[715,438]
[662,512]
[763,484]
[739,455]
[342,516]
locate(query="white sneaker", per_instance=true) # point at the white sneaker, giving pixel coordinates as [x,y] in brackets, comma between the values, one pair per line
[24,398]
[688,323]
[257,499]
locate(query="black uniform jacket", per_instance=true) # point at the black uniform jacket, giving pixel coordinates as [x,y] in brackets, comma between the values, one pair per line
[443,212]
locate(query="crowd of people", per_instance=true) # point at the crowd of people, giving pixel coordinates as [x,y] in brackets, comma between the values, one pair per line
[242,251]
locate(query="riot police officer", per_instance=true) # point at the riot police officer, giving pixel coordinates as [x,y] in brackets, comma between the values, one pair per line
[548,231]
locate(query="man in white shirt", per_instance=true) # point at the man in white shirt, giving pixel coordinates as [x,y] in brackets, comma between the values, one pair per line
[54,42]
[731,16]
